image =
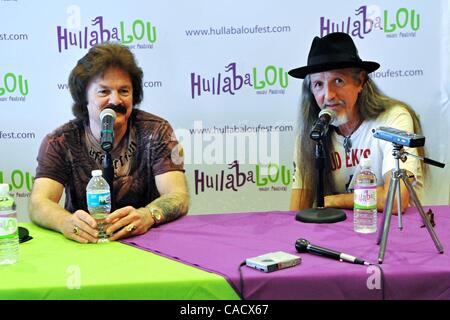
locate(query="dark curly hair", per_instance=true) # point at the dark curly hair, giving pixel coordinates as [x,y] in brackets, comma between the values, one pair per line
[98,59]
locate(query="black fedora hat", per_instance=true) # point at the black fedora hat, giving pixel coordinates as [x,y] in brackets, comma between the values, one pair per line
[333,51]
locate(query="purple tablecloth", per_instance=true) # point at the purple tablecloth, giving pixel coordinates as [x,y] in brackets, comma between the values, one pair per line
[413,269]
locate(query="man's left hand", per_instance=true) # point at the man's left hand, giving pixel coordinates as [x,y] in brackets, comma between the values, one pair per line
[128,221]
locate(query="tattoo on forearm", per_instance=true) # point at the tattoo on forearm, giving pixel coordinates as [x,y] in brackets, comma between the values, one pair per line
[172,206]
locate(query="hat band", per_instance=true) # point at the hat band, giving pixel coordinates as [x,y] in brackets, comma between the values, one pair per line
[327,58]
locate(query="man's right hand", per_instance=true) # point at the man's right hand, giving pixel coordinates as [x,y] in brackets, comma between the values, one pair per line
[80,227]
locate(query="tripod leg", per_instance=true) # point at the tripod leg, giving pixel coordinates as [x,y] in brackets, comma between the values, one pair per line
[399,207]
[387,213]
[413,195]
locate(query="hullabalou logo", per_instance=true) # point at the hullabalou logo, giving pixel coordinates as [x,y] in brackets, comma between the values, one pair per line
[272,177]
[367,19]
[19,180]
[128,33]
[267,80]
[15,85]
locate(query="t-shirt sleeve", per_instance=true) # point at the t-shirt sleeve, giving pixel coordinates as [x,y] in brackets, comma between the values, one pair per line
[399,118]
[167,152]
[52,160]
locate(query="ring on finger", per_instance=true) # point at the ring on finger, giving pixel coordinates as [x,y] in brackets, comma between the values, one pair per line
[76,230]
[130,228]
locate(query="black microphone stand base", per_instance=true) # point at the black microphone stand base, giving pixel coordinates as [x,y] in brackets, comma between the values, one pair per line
[321,215]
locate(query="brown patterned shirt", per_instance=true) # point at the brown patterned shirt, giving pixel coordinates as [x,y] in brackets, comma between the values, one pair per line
[64,156]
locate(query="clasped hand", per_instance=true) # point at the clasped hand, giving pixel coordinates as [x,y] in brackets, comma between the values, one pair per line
[122,223]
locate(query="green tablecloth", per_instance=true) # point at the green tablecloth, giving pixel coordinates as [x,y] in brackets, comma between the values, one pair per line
[53,267]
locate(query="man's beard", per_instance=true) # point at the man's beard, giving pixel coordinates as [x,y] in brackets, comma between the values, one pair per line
[339,120]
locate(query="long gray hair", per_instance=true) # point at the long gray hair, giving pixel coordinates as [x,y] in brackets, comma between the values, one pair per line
[370,104]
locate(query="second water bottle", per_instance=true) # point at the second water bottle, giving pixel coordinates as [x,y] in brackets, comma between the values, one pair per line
[365,199]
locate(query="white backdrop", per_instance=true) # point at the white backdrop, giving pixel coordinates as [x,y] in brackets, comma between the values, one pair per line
[244,48]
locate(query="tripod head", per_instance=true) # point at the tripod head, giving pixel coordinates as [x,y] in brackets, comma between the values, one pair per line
[399,153]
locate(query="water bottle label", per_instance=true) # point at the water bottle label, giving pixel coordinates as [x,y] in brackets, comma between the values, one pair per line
[8,227]
[98,199]
[365,198]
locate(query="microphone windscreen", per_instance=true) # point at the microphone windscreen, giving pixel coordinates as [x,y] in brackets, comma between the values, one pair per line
[301,245]
[107,112]
[329,112]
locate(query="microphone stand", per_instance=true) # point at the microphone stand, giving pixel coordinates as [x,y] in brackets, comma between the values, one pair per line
[107,117]
[108,173]
[320,214]
[320,165]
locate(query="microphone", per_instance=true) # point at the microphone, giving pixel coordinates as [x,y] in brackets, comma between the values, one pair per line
[303,245]
[107,117]
[320,128]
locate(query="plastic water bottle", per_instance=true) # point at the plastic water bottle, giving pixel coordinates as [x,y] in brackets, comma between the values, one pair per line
[9,237]
[365,199]
[98,197]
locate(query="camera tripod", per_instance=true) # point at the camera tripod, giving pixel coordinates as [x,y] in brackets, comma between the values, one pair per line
[394,186]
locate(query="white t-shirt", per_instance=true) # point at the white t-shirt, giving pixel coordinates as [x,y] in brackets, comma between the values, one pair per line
[345,165]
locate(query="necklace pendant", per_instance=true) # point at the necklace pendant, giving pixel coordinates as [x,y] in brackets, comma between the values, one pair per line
[347,144]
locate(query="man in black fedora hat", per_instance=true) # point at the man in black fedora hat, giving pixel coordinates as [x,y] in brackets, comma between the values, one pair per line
[336,78]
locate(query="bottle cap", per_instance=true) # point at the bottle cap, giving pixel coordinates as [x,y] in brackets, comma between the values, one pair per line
[4,189]
[97,173]
[365,163]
